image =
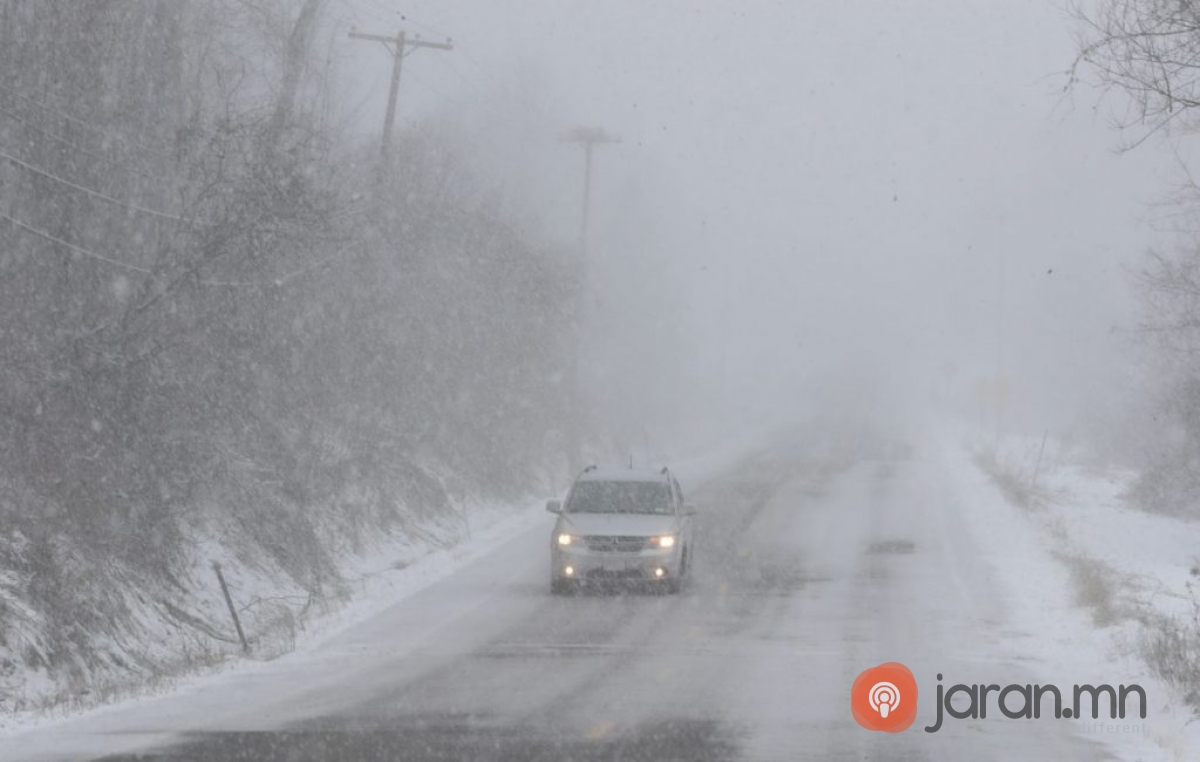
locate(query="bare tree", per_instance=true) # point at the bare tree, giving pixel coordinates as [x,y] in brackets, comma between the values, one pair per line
[1149,51]
[193,284]
[295,58]
[1146,53]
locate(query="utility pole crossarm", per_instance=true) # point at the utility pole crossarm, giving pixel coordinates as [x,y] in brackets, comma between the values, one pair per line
[417,42]
[590,136]
[372,37]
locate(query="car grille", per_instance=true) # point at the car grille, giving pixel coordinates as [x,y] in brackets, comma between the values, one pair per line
[614,574]
[613,544]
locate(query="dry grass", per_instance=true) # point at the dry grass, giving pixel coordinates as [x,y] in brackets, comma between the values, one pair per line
[1172,649]
[1013,480]
[1096,586]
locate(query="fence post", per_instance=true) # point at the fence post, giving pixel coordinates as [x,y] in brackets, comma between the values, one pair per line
[1038,468]
[232,611]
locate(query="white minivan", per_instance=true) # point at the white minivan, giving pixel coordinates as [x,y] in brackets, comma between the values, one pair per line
[621,525]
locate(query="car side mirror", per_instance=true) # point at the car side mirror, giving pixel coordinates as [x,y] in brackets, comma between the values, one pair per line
[554,506]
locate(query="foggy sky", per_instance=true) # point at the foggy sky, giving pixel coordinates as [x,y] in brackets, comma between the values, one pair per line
[893,199]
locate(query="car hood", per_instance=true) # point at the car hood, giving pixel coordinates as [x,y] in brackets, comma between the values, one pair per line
[618,524]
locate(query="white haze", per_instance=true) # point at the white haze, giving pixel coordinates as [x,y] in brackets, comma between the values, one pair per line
[876,205]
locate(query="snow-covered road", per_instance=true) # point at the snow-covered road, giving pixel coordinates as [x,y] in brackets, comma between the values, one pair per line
[809,570]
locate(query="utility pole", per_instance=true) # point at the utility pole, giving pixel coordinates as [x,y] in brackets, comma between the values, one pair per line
[399,47]
[588,138]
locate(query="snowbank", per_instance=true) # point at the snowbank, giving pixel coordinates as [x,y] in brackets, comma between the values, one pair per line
[1085,573]
[176,648]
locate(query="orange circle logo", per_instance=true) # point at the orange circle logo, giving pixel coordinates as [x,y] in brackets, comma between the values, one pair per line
[885,698]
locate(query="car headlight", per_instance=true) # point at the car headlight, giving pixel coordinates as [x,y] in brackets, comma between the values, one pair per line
[565,539]
[665,541]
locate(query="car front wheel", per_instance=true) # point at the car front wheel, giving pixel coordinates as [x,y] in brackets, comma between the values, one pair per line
[675,584]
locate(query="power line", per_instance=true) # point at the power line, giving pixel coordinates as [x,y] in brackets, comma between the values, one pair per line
[439,89]
[407,19]
[90,191]
[494,81]
[74,248]
[283,278]
[74,147]
[85,124]
[379,14]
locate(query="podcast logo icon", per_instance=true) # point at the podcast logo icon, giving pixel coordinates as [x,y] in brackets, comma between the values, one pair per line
[885,698]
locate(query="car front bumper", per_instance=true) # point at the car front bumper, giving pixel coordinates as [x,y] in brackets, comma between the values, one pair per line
[597,566]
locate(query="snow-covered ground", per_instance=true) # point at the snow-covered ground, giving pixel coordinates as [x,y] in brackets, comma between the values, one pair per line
[381,573]
[1085,575]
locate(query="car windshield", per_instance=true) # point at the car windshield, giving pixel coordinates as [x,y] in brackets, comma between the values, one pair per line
[620,497]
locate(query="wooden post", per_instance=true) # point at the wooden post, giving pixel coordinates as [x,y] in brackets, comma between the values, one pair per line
[232,611]
[1038,468]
